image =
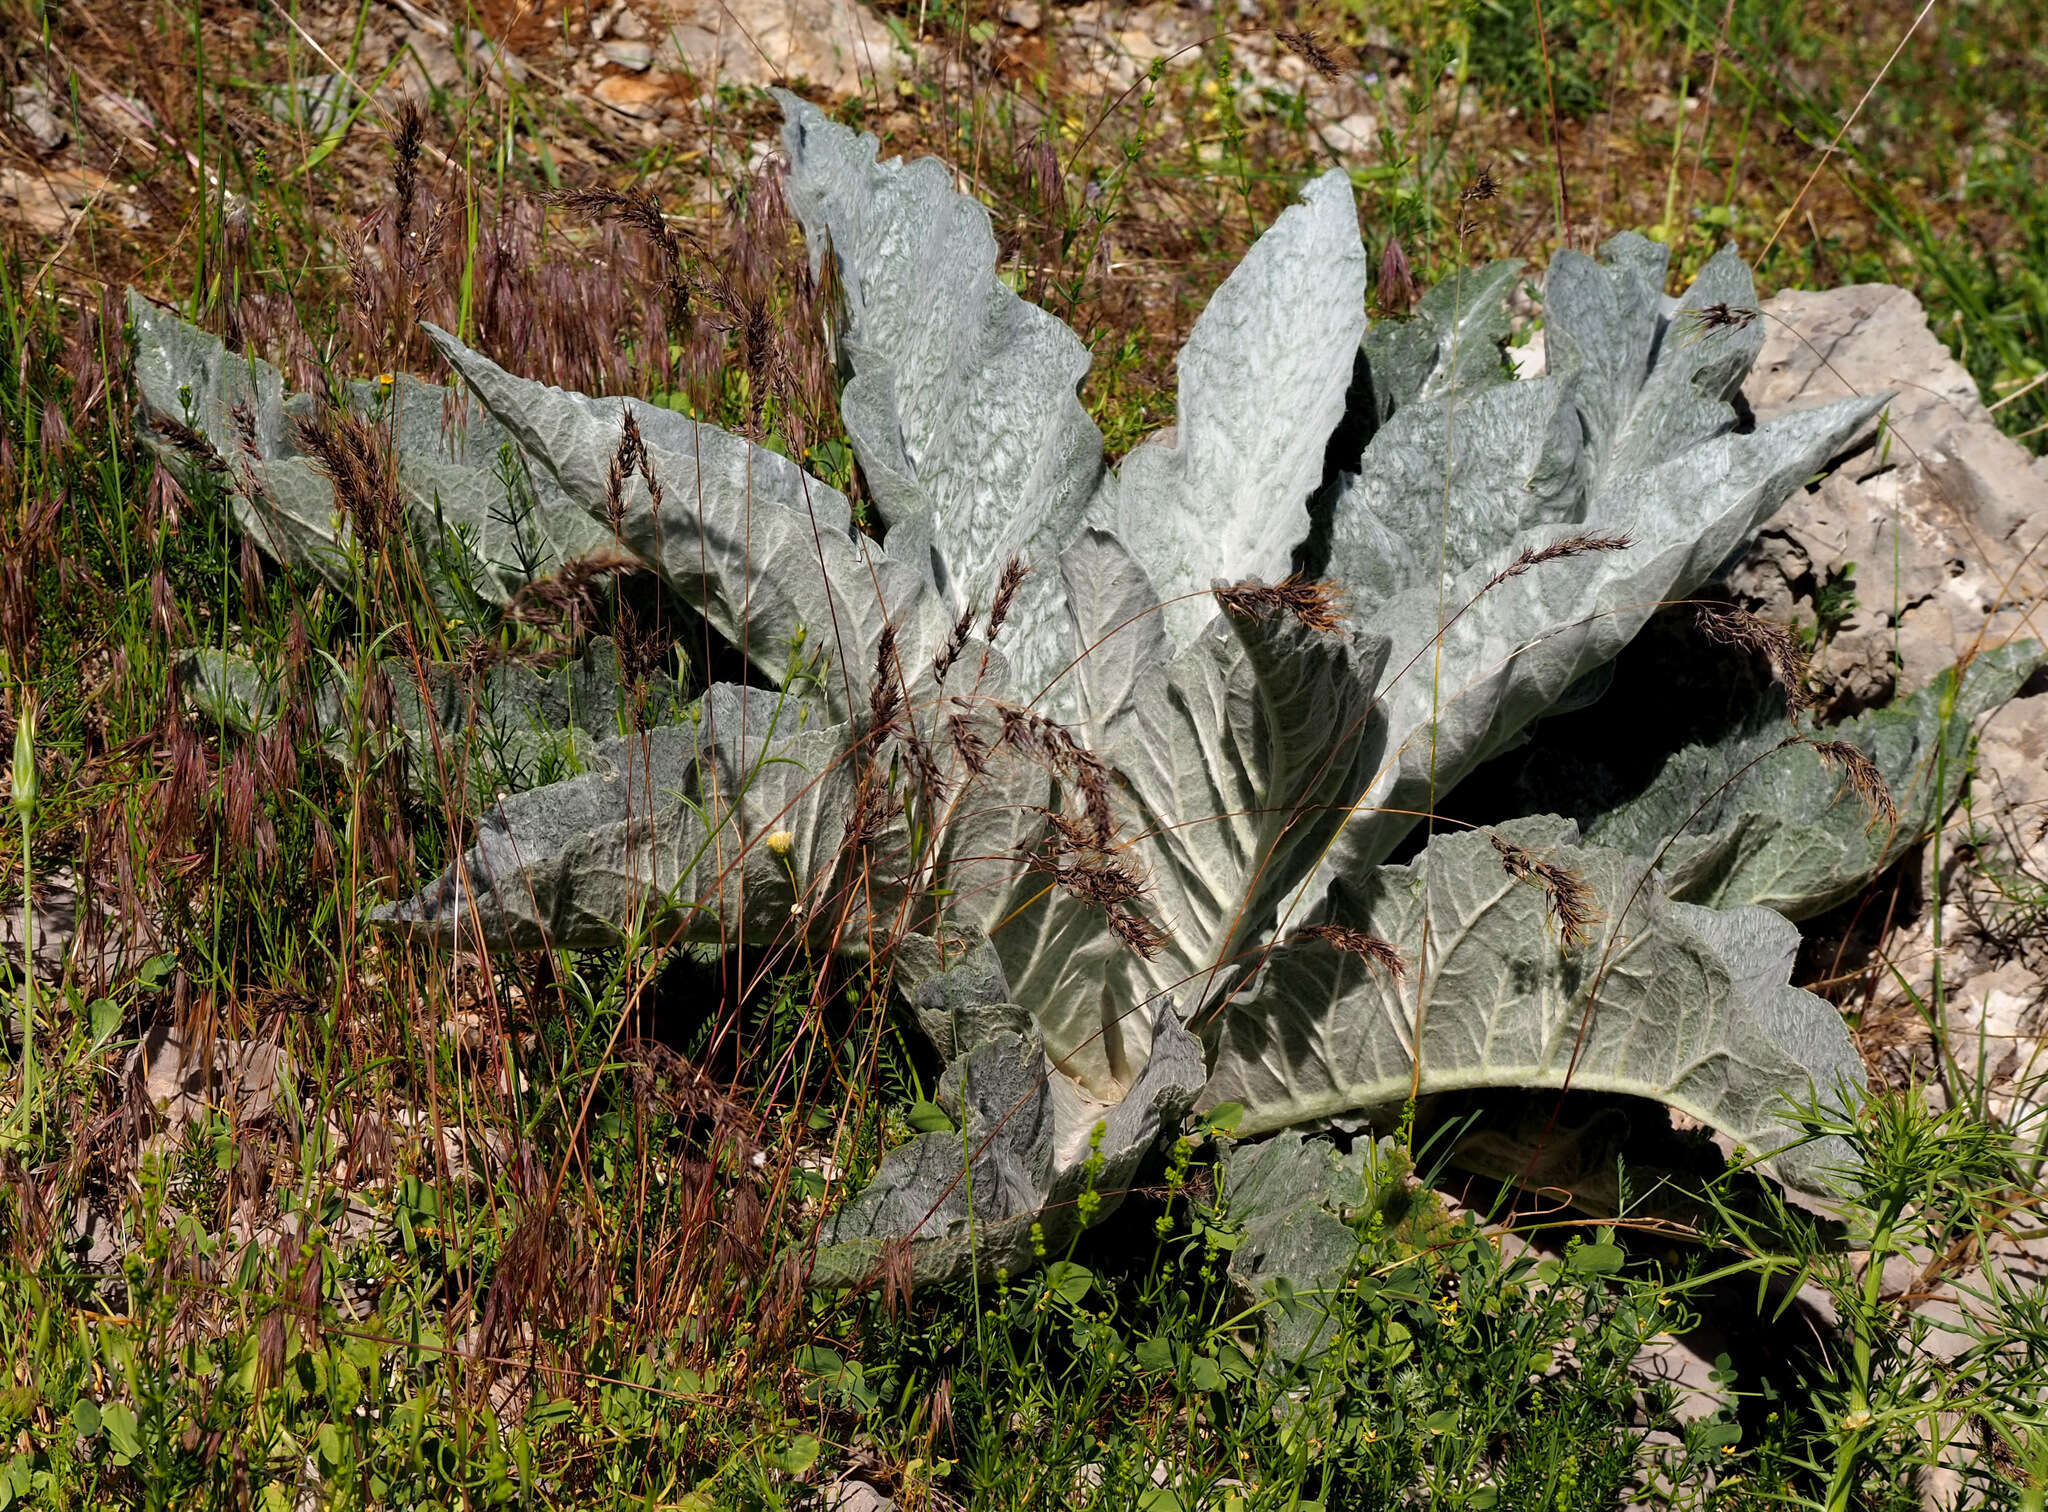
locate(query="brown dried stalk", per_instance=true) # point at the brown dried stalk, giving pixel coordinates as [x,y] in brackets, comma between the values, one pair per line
[354,453]
[190,442]
[1052,746]
[1102,878]
[885,692]
[566,597]
[625,462]
[1570,900]
[956,642]
[968,743]
[1308,47]
[1719,317]
[1014,573]
[1395,290]
[408,135]
[641,211]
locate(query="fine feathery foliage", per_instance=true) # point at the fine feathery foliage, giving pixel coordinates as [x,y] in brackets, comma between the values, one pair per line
[1106,764]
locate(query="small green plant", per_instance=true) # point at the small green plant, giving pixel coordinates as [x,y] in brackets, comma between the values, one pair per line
[1834,601]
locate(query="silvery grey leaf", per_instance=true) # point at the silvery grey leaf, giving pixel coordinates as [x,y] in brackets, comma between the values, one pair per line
[466,487]
[1451,344]
[955,986]
[764,551]
[731,829]
[1665,1000]
[1263,379]
[1657,460]
[508,727]
[1447,478]
[960,399]
[1236,761]
[1602,320]
[968,1198]
[1754,820]
[1297,1201]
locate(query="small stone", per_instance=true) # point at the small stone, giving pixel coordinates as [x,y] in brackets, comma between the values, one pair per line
[46,201]
[637,95]
[858,1496]
[1356,132]
[39,118]
[636,57]
[1025,15]
[183,1081]
[627,25]
[1684,1367]
[125,114]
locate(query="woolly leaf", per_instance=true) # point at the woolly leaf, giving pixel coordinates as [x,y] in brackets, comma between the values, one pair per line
[1234,761]
[478,513]
[1656,460]
[763,550]
[1753,820]
[960,398]
[1263,379]
[509,726]
[731,829]
[1665,1000]
[1020,1156]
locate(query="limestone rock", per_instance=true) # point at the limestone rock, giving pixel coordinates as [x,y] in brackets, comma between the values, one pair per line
[858,1496]
[1929,527]
[47,201]
[37,116]
[839,46]
[642,96]
[183,1078]
[634,57]
[53,923]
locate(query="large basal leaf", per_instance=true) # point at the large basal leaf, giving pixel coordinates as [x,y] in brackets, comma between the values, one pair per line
[960,398]
[1296,1202]
[1451,343]
[476,509]
[509,727]
[969,1197]
[1250,758]
[1656,457]
[1235,761]
[730,829]
[1753,820]
[1667,1000]
[1263,379]
[764,551]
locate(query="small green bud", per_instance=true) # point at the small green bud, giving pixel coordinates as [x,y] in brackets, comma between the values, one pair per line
[25,758]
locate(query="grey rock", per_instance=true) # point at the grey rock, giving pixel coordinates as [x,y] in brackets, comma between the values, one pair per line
[53,924]
[840,46]
[858,1496]
[1682,1364]
[38,117]
[183,1078]
[319,104]
[1933,521]
[634,57]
